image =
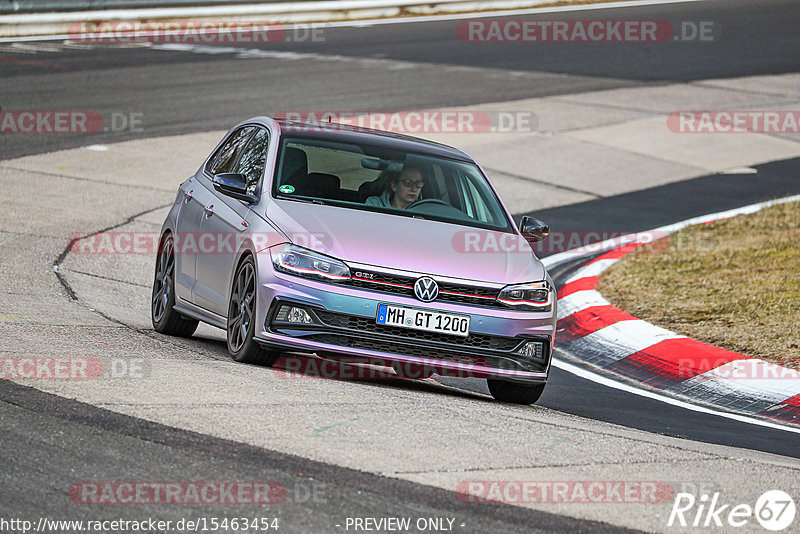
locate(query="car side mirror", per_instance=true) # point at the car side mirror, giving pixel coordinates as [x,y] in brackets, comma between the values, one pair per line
[534,230]
[234,185]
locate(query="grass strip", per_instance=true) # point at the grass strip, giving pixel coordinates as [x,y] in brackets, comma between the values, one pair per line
[734,283]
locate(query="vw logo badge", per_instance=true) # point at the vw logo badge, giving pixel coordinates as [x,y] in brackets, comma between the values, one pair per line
[426,289]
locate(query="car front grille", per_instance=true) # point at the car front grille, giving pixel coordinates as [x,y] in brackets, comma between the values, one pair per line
[404,285]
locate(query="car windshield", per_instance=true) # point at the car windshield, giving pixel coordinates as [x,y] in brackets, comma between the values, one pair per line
[374,178]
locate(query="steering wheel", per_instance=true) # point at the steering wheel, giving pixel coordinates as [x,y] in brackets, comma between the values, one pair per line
[423,201]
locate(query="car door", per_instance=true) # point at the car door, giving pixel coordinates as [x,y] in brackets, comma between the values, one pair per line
[222,224]
[198,195]
[194,197]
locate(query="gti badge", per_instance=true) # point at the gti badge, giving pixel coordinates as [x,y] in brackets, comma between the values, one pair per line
[426,289]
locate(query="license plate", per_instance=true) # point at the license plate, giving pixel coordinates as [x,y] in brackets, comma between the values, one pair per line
[430,321]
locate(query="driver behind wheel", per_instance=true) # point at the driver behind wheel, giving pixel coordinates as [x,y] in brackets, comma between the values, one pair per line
[401,192]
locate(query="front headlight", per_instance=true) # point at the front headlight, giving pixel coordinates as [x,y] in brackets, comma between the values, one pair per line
[537,296]
[299,261]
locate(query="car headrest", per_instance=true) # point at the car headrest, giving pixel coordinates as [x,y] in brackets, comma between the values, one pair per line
[318,184]
[365,190]
[295,165]
[377,186]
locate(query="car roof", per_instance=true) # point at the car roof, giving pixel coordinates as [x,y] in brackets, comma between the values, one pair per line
[344,133]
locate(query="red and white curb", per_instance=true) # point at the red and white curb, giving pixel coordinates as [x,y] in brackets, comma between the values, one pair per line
[617,342]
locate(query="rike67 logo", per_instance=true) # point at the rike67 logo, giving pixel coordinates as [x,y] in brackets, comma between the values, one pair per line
[774,510]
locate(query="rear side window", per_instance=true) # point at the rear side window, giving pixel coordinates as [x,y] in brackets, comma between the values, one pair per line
[253,160]
[225,158]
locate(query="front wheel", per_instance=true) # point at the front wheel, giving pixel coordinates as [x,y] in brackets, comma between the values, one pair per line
[242,319]
[514,392]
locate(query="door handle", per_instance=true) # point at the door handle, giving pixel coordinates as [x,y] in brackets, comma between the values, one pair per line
[209,210]
[187,196]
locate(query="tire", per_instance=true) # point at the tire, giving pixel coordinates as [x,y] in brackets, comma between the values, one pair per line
[514,392]
[241,318]
[162,313]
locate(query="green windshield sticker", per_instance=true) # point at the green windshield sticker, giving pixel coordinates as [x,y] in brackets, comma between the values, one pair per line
[288,189]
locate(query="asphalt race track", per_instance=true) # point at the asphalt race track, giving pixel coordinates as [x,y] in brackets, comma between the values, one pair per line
[189,92]
[371,449]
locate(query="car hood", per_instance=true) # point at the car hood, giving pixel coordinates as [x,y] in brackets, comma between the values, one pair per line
[407,243]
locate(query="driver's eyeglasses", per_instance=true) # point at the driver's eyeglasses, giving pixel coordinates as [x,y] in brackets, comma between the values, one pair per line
[411,184]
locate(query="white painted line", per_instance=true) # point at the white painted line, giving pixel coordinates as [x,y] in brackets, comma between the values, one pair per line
[579,301]
[391,20]
[765,379]
[621,339]
[740,170]
[599,379]
[14,49]
[25,48]
[33,48]
[593,269]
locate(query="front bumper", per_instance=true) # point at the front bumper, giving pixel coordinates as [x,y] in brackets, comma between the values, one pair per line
[345,325]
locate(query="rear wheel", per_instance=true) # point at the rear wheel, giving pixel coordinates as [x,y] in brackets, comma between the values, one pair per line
[514,392]
[242,318]
[165,319]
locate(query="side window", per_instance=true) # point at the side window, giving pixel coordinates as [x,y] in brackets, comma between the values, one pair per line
[253,160]
[225,158]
